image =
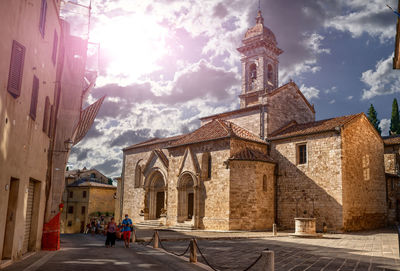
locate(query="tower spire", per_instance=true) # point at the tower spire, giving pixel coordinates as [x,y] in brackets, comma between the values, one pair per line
[259,18]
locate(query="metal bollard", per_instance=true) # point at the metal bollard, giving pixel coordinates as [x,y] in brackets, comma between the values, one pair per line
[274,230]
[267,260]
[193,251]
[156,240]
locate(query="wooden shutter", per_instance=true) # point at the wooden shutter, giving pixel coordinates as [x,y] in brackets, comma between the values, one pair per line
[34,98]
[42,21]
[46,114]
[55,45]
[16,69]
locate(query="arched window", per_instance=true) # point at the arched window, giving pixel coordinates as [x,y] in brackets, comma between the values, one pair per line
[270,72]
[253,71]
[265,183]
[209,166]
[138,176]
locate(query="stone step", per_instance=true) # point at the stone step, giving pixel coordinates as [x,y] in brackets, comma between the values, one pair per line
[149,223]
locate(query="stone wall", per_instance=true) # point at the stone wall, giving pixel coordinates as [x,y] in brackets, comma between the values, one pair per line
[364,193]
[132,197]
[251,206]
[313,189]
[391,161]
[284,106]
[249,120]
[213,201]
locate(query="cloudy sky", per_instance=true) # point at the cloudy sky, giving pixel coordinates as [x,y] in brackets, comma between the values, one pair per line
[163,64]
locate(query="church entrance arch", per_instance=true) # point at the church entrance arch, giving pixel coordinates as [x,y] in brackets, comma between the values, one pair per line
[155,195]
[187,198]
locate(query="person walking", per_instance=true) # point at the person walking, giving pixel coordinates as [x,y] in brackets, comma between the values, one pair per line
[127,224]
[111,231]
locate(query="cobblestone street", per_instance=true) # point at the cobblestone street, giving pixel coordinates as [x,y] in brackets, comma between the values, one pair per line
[375,250]
[354,251]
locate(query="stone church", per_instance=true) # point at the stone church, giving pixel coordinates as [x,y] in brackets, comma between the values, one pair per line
[267,162]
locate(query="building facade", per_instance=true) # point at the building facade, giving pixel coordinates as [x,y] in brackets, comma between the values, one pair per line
[88,195]
[43,88]
[267,162]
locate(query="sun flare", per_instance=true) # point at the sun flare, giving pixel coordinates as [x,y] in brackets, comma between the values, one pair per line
[131,46]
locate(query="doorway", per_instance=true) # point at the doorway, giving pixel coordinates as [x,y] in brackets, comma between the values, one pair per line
[160,203]
[10,219]
[190,205]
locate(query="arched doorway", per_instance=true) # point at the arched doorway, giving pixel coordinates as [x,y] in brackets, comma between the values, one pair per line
[155,199]
[187,198]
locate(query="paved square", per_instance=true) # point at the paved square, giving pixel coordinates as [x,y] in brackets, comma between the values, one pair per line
[352,251]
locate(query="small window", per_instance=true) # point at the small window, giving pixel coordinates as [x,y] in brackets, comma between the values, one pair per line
[93,175]
[84,194]
[71,194]
[302,153]
[16,69]
[69,223]
[209,167]
[34,98]
[55,45]
[265,183]
[46,114]
[42,20]
[70,209]
[83,210]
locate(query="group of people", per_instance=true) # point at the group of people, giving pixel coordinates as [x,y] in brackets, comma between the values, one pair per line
[110,229]
[127,228]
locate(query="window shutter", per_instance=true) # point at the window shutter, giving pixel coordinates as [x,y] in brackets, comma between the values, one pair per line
[16,69]
[46,114]
[42,22]
[34,98]
[55,45]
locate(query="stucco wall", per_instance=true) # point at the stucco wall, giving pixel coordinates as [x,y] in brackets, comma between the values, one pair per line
[364,193]
[313,189]
[23,144]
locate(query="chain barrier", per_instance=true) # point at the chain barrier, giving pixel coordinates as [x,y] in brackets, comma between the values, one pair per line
[199,250]
[148,243]
[176,254]
[204,258]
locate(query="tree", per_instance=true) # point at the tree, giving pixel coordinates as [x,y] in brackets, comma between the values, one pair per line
[395,120]
[373,118]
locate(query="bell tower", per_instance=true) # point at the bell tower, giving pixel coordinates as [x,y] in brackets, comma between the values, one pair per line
[259,57]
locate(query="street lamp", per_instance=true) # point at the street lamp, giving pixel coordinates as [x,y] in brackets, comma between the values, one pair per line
[67,145]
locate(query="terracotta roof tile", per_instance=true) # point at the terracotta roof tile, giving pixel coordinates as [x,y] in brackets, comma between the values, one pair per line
[84,183]
[154,141]
[216,129]
[311,127]
[251,155]
[391,140]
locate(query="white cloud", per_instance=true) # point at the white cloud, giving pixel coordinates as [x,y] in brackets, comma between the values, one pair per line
[382,80]
[370,17]
[310,92]
[349,97]
[332,101]
[385,126]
